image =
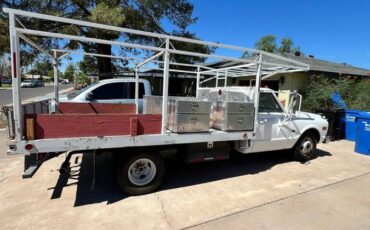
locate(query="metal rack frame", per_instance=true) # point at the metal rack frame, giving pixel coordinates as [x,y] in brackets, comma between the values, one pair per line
[258,67]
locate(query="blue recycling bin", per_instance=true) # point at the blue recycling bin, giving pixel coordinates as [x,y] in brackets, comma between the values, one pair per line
[351,124]
[362,144]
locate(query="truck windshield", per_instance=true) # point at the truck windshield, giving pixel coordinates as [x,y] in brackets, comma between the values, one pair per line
[78,92]
[268,104]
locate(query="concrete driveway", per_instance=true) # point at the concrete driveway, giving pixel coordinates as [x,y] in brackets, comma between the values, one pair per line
[257,191]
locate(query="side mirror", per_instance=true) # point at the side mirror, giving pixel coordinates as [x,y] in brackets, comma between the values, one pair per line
[294,106]
[89,96]
[293,103]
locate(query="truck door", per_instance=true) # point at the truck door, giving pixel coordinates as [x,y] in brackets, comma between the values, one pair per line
[109,93]
[118,92]
[271,133]
[130,94]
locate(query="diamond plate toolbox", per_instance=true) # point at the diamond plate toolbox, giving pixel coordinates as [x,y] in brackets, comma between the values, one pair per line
[187,116]
[153,104]
[233,116]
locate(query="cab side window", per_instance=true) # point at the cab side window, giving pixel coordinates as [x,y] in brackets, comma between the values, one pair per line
[109,91]
[268,104]
[130,89]
[118,90]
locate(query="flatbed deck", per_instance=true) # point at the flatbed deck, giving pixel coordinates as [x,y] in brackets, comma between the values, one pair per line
[107,142]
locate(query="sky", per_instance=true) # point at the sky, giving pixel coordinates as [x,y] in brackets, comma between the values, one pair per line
[333,30]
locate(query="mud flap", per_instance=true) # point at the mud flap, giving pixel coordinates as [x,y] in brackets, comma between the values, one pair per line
[31,165]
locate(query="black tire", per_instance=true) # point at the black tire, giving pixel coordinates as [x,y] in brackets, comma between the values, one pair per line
[305,148]
[123,168]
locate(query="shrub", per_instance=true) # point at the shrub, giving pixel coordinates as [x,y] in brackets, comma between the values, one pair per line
[317,94]
[82,79]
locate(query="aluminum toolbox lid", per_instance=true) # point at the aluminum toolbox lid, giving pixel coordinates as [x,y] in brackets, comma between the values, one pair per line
[191,106]
[234,107]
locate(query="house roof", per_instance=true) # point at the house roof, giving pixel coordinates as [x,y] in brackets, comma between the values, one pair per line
[327,66]
[315,65]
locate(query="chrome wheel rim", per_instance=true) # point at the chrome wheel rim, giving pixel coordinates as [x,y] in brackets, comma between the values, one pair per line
[142,172]
[306,146]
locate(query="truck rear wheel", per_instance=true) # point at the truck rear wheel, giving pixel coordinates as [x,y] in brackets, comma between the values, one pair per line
[139,174]
[305,148]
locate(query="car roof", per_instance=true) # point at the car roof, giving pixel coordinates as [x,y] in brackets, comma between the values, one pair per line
[121,80]
[264,89]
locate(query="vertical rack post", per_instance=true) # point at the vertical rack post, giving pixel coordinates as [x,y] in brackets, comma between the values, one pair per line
[225,78]
[217,79]
[137,89]
[16,78]
[165,85]
[257,92]
[198,82]
[55,69]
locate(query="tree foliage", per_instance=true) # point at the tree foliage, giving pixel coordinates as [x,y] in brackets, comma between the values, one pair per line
[317,94]
[41,67]
[267,43]
[69,72]
[4,68]
[82,80]
[270,44]
[146,15]
[287,46]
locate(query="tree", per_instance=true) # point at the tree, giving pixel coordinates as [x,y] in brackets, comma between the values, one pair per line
[82,80]
[4,67]
[41,68]
[267,43]
[69,72]
[4,34]
[286,46]
[136,14]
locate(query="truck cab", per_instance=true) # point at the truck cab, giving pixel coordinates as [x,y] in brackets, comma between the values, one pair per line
[279,128]
[120,91]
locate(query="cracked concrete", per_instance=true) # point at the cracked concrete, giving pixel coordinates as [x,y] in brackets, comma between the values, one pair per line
[164,212]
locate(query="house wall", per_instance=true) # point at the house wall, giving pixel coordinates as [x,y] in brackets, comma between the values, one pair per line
[286,81]
[294,81]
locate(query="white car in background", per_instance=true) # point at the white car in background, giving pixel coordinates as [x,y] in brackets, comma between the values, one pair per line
[119,90]
[28,84]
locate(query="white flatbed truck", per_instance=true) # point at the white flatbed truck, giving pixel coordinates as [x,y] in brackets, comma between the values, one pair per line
[141,168]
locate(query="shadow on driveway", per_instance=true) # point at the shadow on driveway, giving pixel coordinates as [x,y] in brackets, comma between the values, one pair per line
[178,174]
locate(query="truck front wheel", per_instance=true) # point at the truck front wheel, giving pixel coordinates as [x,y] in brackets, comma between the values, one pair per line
[305,148]
[139,174]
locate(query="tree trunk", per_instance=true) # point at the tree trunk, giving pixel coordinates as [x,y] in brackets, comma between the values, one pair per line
[104,64]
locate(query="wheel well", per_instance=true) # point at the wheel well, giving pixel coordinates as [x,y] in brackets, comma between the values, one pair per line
[315,132]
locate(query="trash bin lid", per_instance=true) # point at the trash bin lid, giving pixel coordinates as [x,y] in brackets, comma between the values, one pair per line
[364,115]
[354,111]
[336,98]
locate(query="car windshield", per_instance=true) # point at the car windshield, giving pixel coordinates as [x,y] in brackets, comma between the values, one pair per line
[76,93]
[27,81]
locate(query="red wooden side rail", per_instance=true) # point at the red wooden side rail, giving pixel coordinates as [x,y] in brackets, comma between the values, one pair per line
[89,125]
[96,108]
